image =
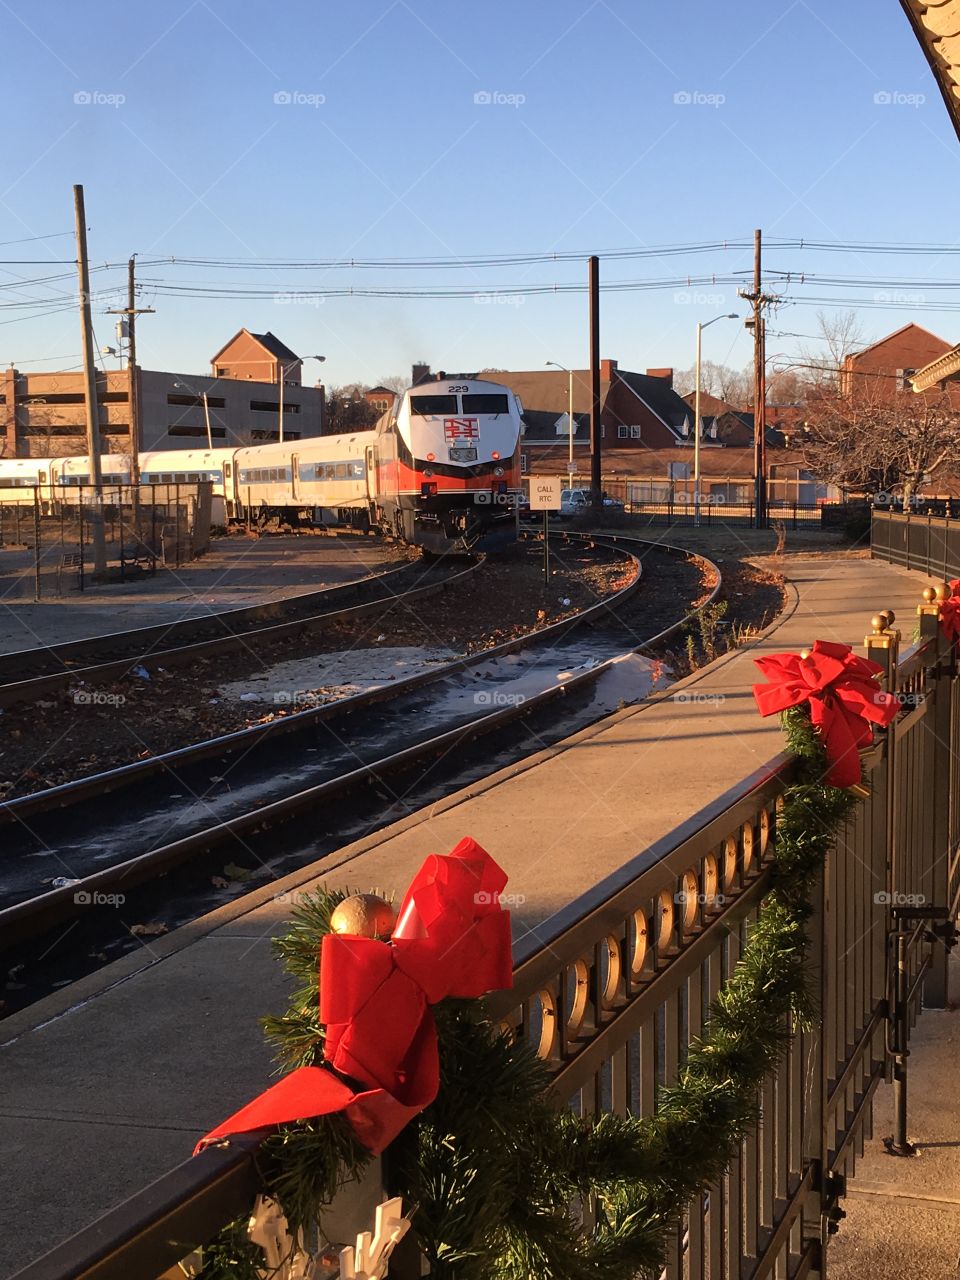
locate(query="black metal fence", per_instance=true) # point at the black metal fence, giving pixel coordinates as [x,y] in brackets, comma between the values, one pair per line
[917,540]
[47,533]
[612,991]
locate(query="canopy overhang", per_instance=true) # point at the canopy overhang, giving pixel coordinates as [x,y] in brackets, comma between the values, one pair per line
[945,368]
[936,24]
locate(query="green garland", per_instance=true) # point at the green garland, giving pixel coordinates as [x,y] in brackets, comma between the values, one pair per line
[493,1165]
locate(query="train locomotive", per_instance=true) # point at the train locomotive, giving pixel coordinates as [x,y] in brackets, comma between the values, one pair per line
[440,470]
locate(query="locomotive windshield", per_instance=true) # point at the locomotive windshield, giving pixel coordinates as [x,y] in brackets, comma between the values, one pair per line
[433,404]
[485,404]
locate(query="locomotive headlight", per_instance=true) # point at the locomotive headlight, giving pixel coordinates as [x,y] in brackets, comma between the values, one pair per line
[495,455]
[431,457]
[498,471]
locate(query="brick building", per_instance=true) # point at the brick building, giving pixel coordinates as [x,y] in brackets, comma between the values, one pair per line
[884,369]
[44,414]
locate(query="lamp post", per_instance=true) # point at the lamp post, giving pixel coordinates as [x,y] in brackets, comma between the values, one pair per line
[696,415]
[570,421]
[283,369]
[185,386]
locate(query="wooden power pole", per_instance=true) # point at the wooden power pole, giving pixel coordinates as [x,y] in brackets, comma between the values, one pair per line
[758,300]
[90,388]
[131,311]
[596,460]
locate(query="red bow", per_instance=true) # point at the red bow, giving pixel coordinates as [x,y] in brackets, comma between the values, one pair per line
[451,939]
[844,697]
[950,612]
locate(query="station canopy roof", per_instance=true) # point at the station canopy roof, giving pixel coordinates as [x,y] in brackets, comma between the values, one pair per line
[936,24]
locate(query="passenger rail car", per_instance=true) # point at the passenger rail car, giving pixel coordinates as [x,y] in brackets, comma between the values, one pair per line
[440,470]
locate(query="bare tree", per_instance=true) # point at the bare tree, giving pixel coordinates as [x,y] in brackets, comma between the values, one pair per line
[841,335]
[881,443]
[396,383]
[735,386]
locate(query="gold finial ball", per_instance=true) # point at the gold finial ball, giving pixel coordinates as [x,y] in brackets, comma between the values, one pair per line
[929,594]
[943,591]
[363,915]
[878,622]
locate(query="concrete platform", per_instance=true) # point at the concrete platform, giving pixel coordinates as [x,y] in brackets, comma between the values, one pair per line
[237,571]
[107,1083]
[903,1215]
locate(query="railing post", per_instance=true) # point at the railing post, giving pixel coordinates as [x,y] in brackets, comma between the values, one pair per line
[941,674]
[815,1222]
[882,646]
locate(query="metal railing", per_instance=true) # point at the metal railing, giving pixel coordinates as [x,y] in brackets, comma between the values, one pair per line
[917,540]
[613,989]
[680,511]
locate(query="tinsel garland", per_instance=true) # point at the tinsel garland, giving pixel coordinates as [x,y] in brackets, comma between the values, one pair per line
[494,1164]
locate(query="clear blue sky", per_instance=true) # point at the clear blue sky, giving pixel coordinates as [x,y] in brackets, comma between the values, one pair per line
[184,151]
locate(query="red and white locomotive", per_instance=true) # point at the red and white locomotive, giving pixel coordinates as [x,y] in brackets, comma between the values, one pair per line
[448,464]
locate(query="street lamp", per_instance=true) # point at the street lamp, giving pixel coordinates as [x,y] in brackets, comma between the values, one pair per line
[185,386]
[570,424]
[283,372]
[696,415]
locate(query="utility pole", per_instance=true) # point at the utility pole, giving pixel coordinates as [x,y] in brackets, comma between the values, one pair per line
[596,483]
[90,388]
[131,311]
[758,300]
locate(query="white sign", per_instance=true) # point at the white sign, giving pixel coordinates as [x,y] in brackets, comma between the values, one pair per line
[545,493]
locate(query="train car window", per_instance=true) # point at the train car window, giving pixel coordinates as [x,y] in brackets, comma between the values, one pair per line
[226,469]
[424,405]
[43,477]
[485,404]
[329,471]
[341,471]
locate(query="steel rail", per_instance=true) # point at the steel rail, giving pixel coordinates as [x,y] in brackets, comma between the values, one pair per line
[25,920]
[36,686]
[184,628]
[68,793]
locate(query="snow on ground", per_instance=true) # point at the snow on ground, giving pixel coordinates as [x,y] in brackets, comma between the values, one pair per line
[326,677]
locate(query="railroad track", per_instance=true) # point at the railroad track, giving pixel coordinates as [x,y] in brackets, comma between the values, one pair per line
[36,917]
[33,673]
